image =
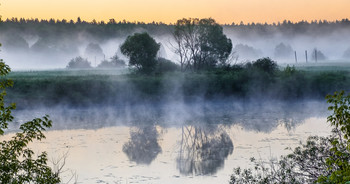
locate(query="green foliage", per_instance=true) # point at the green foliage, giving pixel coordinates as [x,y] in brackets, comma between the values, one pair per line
[266,64]
[340,121]
[304,165]
[115,86]
[17,162]
[79,62]
[201,44]
[164,65]
[142,50]
[319,160]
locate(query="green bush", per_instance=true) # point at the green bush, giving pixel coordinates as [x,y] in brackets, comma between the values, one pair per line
[18,163]
[319,160]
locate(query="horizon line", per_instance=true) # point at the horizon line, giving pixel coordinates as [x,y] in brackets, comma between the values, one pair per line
[124,21]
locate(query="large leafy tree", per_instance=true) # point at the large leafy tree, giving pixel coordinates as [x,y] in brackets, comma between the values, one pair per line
[201,43]
[142,51]
[18,163]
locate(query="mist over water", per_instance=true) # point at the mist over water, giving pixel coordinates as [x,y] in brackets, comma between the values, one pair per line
[196,142]
[122,125]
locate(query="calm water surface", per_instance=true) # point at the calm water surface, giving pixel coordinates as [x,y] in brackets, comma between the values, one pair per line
[188,144]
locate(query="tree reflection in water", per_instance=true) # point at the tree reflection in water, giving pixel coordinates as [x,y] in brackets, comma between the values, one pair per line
[143,146]
[203,150]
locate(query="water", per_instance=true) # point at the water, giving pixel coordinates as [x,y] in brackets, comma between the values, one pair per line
[200,146]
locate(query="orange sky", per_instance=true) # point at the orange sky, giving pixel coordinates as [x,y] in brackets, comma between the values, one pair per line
[168,11]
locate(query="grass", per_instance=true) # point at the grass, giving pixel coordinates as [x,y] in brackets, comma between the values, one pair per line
[118,87]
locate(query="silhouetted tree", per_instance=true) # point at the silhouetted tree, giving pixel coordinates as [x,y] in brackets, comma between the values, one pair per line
[266,65]
[94,52]
[114,62]
[203,150]
[15,42]
[283,51]
[246,52]
[201,44]
[143,146]
[346,54]
[165,65]
[142,51]
[317,53]
[79,62]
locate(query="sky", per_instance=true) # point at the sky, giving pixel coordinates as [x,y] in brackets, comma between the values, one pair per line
[168,11]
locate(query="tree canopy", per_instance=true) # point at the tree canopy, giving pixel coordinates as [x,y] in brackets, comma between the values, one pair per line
[201,43]
[18,163]
[79,62]
[142,51]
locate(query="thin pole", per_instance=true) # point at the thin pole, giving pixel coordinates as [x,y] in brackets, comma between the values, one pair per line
[316,55]
[295,55]
[306,55]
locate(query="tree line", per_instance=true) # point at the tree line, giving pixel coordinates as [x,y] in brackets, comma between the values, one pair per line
[102,30]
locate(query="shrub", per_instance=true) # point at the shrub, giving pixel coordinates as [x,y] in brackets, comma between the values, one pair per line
[79,62]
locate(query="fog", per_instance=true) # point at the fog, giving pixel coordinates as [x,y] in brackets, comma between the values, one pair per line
[255,116]
[30,48]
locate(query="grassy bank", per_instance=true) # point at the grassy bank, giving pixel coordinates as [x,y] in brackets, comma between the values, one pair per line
[116,87]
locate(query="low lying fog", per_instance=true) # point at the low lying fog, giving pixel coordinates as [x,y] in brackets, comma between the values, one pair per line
[28,51]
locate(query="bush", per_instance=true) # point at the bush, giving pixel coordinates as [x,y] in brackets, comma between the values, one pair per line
[17,162]
[164,65]
[115,62]
[319,160]
[79,62]
[266,64]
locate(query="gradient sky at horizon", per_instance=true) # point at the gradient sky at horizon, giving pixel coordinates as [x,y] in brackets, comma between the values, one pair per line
[168,11]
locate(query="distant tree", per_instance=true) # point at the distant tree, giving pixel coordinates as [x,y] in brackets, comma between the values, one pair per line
[283,51]
[79,62]
[142,51]
[320,56]
[346,54]
[43,45]
[15,42]
[94,52]
[201,44]
[115,62]
[246,51]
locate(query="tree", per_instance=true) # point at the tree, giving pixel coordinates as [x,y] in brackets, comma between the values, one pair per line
[346,54]
[266,64]
[201,44]
[17,162]
[79,62]
[283,51]
[115,62]
[246,51]
[94,52]
[142,50]
[317,55]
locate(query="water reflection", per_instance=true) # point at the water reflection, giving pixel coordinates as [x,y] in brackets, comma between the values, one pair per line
[203,149]
[257,116]
[143,146]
